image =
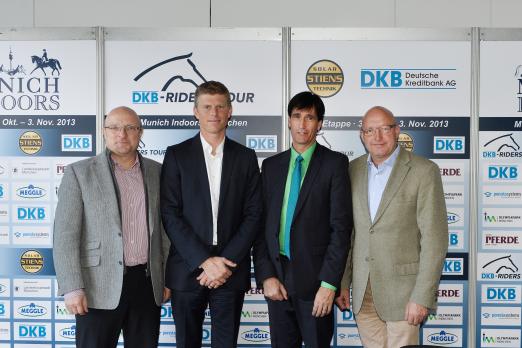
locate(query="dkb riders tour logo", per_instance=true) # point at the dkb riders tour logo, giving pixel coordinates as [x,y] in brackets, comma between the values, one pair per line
[183,76]
[37,89]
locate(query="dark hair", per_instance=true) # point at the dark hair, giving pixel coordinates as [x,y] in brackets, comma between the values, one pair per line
[307,100]
[212,87]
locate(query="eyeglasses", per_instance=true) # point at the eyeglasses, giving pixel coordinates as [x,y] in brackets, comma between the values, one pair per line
[383,129]
[128,129]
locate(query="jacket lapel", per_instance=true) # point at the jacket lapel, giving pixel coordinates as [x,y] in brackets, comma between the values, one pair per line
[227,168]
[106,186]
[399,171]
[199,168]
[360,187]
[151,191]
[311,174]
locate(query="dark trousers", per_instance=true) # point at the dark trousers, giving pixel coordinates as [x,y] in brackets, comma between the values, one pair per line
[291,321]
[188,309]
[137,315]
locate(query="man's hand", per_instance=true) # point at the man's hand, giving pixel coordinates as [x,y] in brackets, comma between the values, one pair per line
[274,289]
[343,300]
[415,313]
[323,302]
[77,304]
[166,294]
[217,269]
[205,281]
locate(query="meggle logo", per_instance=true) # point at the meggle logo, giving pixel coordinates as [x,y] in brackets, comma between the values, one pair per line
[32,310]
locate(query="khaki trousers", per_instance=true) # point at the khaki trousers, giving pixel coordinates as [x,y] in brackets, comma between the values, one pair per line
[376,333]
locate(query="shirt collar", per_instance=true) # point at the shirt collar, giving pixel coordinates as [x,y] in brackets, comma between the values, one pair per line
[390,161]
[208,148]
[307,155]
[135,165]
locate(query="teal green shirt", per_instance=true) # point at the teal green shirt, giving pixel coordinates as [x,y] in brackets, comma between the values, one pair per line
[307,156]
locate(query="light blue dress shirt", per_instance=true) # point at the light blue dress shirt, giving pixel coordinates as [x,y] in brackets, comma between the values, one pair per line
[377,180]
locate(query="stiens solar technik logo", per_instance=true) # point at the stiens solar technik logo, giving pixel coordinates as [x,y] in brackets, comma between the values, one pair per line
[179,68]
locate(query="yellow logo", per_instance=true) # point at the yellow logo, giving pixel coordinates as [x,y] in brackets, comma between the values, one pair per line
[30,142]
[406,141]
[324,78]
[32,261]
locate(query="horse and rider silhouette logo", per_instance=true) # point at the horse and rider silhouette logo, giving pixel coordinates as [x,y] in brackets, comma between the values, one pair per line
[504,142]
[186,71]
[503,264]
[41,63]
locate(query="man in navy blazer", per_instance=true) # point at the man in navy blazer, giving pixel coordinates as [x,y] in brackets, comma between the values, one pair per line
[300,255]
[211,209]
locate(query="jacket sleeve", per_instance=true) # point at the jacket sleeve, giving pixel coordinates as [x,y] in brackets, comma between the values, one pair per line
[68,221]
[341,223]
[433,226]
[181,235]
[241,243]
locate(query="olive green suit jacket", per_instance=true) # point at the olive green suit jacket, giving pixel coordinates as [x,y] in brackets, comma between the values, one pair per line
[402,251]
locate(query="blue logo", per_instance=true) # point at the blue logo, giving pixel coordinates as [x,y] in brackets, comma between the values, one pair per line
[453,239]
[442,337]
[449,145]
[501,294]
[32,331]
[76,142]
[498,172]
[30,191]
[166,311]
[68,332]
[1,191]
[262,143]
[256,335]
[32,310]
[453,218]
[2,309]
[381,78]
[453,266]
[31,213]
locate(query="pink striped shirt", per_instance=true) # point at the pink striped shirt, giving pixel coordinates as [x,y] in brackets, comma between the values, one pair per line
[133,213]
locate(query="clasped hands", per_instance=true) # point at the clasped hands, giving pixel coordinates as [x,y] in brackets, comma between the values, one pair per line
[216,271]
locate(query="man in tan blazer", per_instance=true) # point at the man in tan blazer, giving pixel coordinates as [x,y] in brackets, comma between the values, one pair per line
[400,239]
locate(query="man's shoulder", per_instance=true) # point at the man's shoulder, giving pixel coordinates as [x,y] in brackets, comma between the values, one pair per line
[87,162]
[238,147]
[181,146]
[331,154]
[421,161]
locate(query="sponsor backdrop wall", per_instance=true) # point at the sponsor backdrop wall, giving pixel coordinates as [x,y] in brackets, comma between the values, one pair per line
[499,261]
[47,120]
[52,104]
[427,86]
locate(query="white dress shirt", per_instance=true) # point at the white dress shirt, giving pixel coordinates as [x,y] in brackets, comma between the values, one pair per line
[214,165]
[377,180]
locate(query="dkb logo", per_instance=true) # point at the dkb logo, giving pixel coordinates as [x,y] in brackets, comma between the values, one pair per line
[496,172]
[373,78]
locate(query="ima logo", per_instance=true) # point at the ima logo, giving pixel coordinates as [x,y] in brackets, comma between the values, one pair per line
[256,335]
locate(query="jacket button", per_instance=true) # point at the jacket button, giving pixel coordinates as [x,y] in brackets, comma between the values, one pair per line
[121,263]
[119,234]
[277,258]
[371,231]
[366,259]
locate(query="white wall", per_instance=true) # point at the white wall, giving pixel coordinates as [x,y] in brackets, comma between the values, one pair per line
[265,13]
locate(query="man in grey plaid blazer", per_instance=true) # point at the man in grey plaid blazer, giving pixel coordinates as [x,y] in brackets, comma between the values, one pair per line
[109,244]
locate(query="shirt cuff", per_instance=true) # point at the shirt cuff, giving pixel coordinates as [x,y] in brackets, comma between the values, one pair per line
[328,286]
[74,293]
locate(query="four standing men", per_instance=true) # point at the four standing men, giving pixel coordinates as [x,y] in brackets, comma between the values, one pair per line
[110,251]
[301,252]
[401,236]
[109,245]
